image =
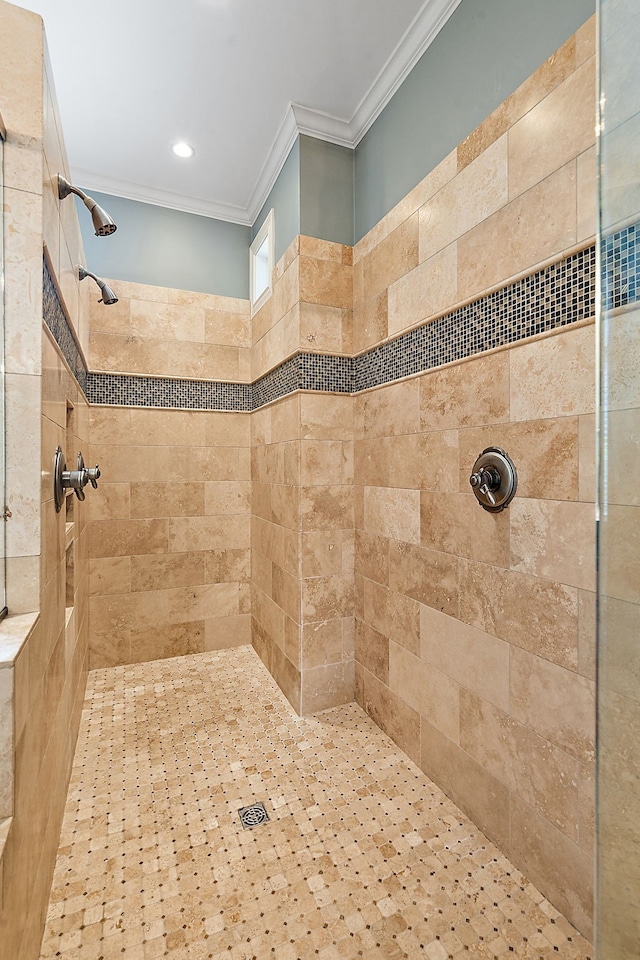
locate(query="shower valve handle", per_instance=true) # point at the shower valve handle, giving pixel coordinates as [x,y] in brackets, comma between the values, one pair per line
[486,480]
[93,475]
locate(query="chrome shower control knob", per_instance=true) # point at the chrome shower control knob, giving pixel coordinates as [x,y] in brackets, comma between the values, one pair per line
[93,475]
[494,479]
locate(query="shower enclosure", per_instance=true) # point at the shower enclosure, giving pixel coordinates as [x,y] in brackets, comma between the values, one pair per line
[618,779]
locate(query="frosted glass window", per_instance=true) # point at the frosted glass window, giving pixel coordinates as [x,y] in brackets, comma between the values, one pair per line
[261,255]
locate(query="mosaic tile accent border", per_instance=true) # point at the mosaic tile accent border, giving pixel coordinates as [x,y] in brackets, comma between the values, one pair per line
[558,295]
[57,322]
[131,391]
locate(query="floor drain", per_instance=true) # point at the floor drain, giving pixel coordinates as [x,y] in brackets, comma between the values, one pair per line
[253,816]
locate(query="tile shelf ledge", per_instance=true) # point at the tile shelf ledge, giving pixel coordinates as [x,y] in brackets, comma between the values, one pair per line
[14,630]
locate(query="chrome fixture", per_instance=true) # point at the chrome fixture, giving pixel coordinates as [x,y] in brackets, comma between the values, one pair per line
[75,480]
[108,296]
[102,222]
[494,479]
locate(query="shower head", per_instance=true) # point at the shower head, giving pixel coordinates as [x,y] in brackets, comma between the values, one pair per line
[108,296]
[102,222]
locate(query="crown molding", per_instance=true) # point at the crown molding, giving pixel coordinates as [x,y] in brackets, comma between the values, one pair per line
[420,34]
[160,198]
[299,119]
[273,164]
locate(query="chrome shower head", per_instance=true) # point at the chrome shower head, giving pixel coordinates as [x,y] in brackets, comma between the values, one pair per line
[108,295]
[102,222]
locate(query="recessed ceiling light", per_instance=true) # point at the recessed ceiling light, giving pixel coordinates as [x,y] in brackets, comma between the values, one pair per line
[182,149]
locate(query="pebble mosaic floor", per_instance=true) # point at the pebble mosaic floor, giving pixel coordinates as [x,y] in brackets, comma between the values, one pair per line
[363,856]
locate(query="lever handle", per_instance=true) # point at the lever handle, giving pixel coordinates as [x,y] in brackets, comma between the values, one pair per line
[486,491]
[93,475]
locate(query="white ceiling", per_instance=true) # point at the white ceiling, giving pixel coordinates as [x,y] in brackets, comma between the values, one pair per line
[238,79]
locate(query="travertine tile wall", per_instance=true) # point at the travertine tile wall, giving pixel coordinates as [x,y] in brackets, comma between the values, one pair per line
[44,408]
[302,469]
[474,632]
[169,530]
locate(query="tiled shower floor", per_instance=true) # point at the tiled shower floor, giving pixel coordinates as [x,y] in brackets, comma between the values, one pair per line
[363,855]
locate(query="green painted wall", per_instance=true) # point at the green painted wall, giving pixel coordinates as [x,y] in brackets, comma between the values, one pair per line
[483,53]
[285,200]
[326,190]
[168,248]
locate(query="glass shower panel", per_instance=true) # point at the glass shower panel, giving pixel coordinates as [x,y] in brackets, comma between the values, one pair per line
[618,643]
[3,534]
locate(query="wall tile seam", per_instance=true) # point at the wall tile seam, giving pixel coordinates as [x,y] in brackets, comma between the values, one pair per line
[553,298]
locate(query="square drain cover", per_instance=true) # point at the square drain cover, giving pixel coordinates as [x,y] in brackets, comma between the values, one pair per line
[253,816]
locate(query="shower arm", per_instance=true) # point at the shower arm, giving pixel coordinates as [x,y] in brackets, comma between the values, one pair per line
[65,188]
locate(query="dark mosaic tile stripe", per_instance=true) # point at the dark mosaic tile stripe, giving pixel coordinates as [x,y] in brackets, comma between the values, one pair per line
[56,320]
[554,297]
[621,267]
[132,391]
[561,294]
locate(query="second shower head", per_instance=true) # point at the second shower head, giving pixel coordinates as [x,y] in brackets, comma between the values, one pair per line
[102,222]
[108,295]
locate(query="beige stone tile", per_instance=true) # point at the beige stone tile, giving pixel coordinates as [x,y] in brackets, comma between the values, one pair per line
[167,499]
[326,508]
[541,774]
[538,615]
[555,540]
[222,633]
[326,598]
[556,130]
[557,703]
[585,38]
[227,497]
[187,534]
[286,292]
[392,614]
[168,322]
[424,575]
[321,328]
[372,651]
[622,356]
[23,287]
[619,533]
[139,464]
[227,327]
[111,501]
[553,71]
[587,195]
[166,640]
[327,686]
[396,718]
[392,410]
[471,657]
[553,377]
[322,553]
[548,209]
[286,592]
[620,450]
[456,523]
[110,575]
[620,193]
[168,428]
[321,462]
[553,862]
[372,556]
[475,790]
[392,513]
[587,633]
[424,688]
[449,397]
[201,602]
[430,289]
[471,197]
[325,417]
[109,425]
[321,643]
[430,185]
[215,463]
[394,256]
[165,571]
[120,538]
[370,322]
[552,442]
